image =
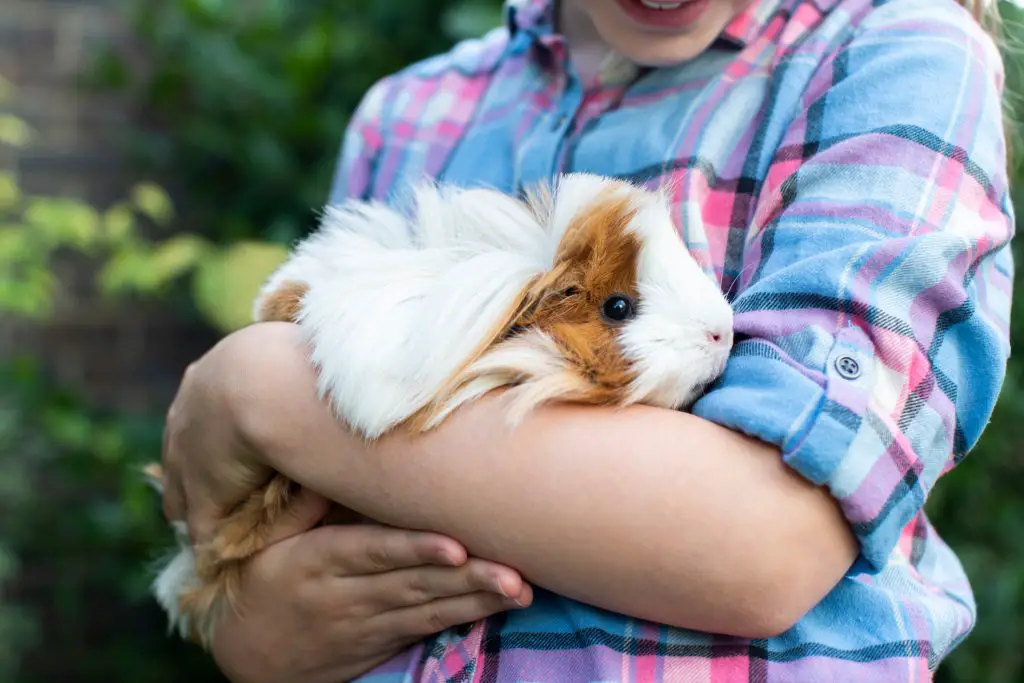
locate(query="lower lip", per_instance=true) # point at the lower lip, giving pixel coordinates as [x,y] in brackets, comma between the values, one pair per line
[684,15]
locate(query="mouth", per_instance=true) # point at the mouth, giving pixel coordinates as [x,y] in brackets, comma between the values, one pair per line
[664,14]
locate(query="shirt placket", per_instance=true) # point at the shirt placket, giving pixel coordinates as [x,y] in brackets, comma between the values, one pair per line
[542,151]
[569,108]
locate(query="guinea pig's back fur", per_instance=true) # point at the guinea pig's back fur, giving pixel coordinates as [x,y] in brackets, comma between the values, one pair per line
[393,315]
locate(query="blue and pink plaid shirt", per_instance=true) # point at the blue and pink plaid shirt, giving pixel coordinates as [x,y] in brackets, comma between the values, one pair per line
[848,162]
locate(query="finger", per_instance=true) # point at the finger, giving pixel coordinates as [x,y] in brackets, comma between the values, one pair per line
[433,617]
[202,521]
[173,494]
[373,549]
[173,501]
[420,585]
[304,511]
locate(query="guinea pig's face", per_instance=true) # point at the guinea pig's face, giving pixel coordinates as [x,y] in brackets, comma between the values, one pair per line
[627,303]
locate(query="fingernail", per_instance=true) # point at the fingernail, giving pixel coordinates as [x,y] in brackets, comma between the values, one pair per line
[496,585]
[513,602]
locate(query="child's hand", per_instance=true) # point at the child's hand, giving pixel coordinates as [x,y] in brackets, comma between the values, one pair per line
[209,462]
[331,604]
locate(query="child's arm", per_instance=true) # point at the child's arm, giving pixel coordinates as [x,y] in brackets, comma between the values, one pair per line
[873,340]
[650,512]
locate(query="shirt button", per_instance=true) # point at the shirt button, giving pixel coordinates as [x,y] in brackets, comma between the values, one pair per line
[847,367]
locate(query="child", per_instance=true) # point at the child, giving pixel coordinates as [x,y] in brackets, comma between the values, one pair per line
[839,166]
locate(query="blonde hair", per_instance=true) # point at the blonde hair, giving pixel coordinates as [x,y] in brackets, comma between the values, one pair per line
[985,12]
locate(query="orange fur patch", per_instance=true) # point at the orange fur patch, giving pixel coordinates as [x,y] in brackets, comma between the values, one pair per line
[284,303]
[600,258]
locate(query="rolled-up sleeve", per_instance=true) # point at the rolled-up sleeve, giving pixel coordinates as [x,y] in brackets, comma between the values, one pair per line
[873,313]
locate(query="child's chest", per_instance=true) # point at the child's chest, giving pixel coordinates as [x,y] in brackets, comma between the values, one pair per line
[708,131]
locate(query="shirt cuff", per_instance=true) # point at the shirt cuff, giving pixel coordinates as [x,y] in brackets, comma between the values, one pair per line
[810,410]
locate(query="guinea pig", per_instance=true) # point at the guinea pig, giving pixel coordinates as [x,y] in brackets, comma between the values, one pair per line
[582,292]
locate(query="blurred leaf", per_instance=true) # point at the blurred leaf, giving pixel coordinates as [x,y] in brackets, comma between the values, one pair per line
[10,194]
[225,286]
[14,131]
[109,444]
[127,271]
[15,246]
[176,256]
[69,428]
[118,224]
[63,221]
[29,294]
[6,90]
[152,201]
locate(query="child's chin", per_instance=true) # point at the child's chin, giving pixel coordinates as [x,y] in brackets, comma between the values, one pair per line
[657,50]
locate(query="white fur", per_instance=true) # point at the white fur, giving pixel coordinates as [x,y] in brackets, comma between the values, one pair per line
[680,306]
[176,576]
[398,302]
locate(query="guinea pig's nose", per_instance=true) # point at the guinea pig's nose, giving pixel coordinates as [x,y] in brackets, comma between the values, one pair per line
[720,337]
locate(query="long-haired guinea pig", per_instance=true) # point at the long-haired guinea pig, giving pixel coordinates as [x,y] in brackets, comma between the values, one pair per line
[583,292]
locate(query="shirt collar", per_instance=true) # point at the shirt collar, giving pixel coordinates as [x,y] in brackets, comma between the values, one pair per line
[538,17]
[532,16]
[746,26]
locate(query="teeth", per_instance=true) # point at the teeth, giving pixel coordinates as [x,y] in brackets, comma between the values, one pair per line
[661,5]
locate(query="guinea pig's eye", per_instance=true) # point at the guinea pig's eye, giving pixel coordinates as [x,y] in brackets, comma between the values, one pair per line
[618,307]
[571,290]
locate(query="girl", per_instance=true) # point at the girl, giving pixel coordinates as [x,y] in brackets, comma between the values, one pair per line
[848,161]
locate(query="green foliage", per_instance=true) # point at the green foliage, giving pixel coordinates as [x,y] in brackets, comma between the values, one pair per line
[249,100]
[50,442]
[33,229]
[17,629]
[76,510]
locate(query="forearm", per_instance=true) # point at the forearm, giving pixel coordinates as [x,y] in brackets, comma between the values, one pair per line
[649,512]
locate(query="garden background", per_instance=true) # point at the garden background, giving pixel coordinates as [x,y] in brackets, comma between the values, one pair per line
[155,157]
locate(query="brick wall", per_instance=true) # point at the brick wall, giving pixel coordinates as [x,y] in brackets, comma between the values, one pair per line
[126,356]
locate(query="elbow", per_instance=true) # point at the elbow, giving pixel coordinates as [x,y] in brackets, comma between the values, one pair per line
[769,609]
[789,585]
[797,567]
[768,616]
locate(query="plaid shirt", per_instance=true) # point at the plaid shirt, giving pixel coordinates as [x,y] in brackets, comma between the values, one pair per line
[848,162]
